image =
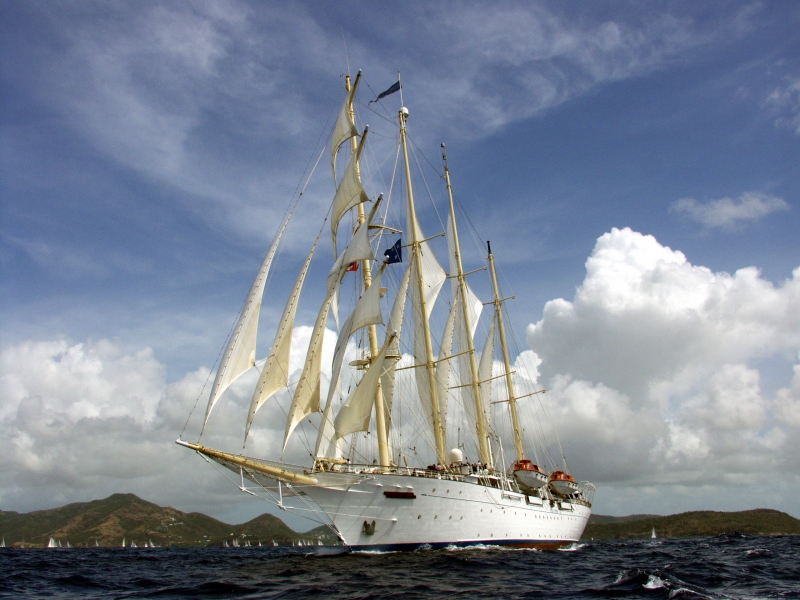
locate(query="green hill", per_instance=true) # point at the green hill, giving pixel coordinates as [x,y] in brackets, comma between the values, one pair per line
[761,521]
[127,516]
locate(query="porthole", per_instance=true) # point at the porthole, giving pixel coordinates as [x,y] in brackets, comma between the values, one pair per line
[419,516]
[435,516]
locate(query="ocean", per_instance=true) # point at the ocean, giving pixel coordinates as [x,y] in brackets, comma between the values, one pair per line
[727,566]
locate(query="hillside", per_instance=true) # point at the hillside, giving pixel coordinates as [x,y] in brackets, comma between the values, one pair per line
[760,521]
[127,516]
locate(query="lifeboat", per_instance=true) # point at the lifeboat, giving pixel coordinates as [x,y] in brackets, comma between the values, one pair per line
[529,475]
[563,483]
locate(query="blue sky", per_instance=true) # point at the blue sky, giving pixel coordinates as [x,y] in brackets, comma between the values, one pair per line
[150,149]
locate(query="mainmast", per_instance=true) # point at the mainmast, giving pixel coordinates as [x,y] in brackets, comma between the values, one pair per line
[483,444]
[512,399]
[416,263]
[366,269]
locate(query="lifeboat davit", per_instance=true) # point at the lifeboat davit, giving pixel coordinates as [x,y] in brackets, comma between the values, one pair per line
[529,475]
[563,483]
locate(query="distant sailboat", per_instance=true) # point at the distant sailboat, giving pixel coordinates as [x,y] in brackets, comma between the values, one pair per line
[319,542]
[653,534]
[226,544]
[274,543]
[96,544]
[152,545]
[52,544]
[123,542]
[59,543]
[3,545]
[133,545]
[68,546]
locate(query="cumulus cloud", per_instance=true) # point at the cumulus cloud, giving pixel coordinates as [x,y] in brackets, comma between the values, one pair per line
[727,213]
[651,369]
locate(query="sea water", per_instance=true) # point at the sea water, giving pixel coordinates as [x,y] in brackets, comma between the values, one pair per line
[728,566]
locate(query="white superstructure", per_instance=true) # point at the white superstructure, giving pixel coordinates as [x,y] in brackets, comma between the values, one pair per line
[416,390]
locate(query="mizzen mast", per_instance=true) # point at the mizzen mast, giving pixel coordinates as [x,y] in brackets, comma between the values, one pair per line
[420,300]
[512,399]
[482,430]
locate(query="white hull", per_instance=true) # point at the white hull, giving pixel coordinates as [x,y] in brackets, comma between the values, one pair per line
[445,513]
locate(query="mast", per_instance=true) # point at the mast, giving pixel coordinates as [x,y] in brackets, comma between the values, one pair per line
[366,269]
[483,445]
[512,399]
[430,363]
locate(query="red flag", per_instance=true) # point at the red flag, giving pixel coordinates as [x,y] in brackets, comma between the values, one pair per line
[353,266]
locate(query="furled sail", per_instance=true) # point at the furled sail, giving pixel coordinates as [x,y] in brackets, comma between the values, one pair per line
[307,393]
[275,373]
[345,127]
[350,191]
[366,312]
[240,352]
[355,412]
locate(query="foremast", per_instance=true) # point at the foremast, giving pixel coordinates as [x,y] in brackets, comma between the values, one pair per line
[366,268]
[512,398]
[416,264]
[482,429]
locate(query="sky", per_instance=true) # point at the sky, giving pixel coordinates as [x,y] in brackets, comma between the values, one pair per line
[636,167]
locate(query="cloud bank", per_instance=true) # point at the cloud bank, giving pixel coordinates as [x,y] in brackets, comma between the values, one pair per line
[652,370]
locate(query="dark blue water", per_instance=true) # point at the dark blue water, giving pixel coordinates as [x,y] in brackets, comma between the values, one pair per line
[729,566]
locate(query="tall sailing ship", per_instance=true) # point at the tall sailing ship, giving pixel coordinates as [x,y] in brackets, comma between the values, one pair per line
[409,449]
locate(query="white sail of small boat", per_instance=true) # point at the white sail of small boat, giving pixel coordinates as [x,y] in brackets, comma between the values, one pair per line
[319,543]
[123,542]
[3,544]
[133,545]
[653,533]
[226,543]
[68,546]
[59,544]
[52,543]
[402,389]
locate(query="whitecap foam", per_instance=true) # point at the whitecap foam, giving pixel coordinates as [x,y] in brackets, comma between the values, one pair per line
[654,582]
[573,547]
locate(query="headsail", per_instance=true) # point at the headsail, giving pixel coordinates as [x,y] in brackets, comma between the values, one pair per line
[307,393]
[275,373]
[485,373]
[240,352]
[395,325]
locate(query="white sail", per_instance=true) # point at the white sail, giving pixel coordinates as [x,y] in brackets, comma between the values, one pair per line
[307,393]
[443,364]
[52,543]
[395,325]
[359,248]
[366,312]
[240,353]
[485,374]
[345,127]
[349,193]
[355,412]
[275,373]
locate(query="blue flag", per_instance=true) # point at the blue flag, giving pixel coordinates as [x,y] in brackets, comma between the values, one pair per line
[391,90]
[394,254]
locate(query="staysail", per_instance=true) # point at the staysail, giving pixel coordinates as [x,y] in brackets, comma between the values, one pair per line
[275,373]
[240,352]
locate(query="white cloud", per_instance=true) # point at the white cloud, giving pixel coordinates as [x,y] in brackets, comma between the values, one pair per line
[785,100]
[727,213]
[651,369]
